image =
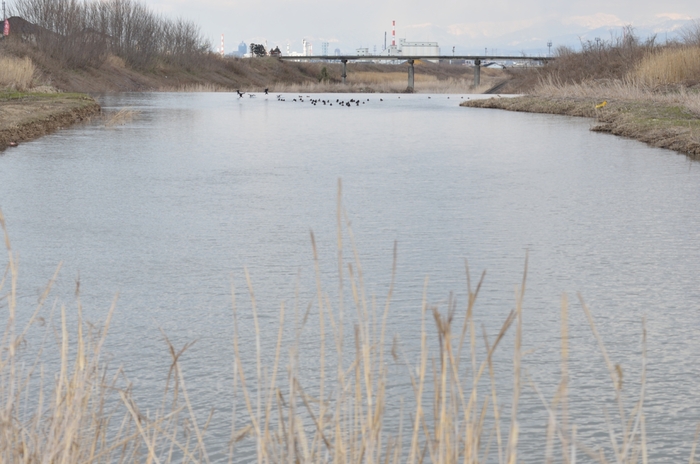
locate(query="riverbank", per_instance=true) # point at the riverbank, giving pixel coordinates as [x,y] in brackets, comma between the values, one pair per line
[26,116]
[213,73]
[257,74]
[660,124]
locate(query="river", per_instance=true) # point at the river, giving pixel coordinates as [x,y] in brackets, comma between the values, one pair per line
[172,206]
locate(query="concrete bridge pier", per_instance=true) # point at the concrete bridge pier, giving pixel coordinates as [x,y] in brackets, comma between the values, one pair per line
[477,72]
[411,74]
[345,70]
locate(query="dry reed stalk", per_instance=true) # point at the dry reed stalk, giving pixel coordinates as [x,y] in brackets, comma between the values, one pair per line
[16,73]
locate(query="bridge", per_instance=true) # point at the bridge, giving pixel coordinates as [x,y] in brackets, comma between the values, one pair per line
[477,59]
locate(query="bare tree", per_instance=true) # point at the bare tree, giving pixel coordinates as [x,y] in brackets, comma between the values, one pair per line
[81,33]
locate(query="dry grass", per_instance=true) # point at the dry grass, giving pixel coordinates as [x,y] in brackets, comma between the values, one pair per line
[454,415]
[115,62]
[669,66]
[196,87]
[623,90]
[121,117]
[77,412]
[16,73]
[373,77]
[391,82]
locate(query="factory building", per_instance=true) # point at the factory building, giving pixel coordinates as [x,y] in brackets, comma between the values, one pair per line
[406,48]
[419,48]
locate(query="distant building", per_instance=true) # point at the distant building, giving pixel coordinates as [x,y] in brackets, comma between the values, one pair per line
[242,49]
[324,48]
[362,52]
[337,52]
[306,48]
[419,48]
[406,48]
[391,50]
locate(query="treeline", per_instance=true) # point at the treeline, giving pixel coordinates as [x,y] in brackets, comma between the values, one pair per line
[83,33]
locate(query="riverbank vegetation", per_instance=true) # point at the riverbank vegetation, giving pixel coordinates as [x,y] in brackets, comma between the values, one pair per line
[634,88]
[121,45]
[77,409]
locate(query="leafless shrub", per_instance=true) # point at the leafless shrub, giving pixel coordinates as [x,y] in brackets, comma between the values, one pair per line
[599,58]
[690,34]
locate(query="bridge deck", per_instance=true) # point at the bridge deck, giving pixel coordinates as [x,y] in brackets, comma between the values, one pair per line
[477,59]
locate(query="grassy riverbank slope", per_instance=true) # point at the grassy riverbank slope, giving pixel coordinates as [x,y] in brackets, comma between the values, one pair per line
[210,72]
[634,89]
[256,74]
[25,116]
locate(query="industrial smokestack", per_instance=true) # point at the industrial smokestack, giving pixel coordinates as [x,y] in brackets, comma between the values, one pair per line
[221,50]
[393,33]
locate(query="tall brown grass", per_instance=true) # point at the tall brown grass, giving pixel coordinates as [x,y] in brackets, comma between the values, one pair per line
[198,87]
[78,410]
[391,82]
[16,73]
[79,413]
[669,66]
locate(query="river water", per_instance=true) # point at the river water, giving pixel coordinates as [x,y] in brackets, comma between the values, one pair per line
[168,208]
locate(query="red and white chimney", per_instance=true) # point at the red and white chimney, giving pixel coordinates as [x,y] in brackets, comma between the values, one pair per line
[393,33]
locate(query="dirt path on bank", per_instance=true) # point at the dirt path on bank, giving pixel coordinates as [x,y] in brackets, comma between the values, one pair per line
[28,116]
[657,124]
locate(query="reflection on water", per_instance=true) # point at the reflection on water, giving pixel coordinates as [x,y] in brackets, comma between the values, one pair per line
[169,208]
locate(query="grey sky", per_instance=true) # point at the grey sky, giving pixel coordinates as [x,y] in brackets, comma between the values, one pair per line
[466,25]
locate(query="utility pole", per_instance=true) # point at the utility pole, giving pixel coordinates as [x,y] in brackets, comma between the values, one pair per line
[549,46]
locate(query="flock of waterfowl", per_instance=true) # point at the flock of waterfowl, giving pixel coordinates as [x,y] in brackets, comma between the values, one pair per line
[320,101]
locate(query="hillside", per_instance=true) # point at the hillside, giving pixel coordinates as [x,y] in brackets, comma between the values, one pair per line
[95,65]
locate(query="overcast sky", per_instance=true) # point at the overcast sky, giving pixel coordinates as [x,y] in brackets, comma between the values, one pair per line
[351,24]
